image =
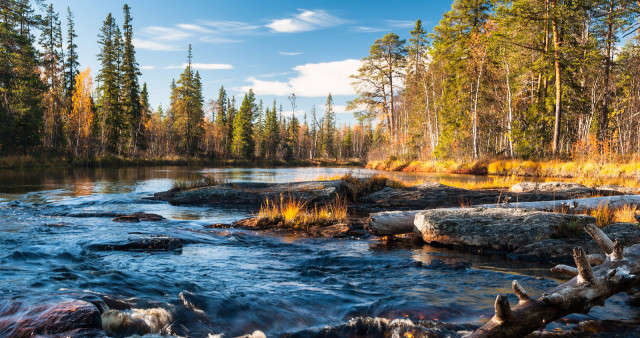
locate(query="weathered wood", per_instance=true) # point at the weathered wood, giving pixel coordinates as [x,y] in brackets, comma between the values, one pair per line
[391,223]
[619,273]
[574,206]
[565,269]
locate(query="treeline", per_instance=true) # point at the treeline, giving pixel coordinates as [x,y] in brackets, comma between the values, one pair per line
[250,129]
[522,78]
[49,106]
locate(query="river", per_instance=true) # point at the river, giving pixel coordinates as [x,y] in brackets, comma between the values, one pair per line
[240,280]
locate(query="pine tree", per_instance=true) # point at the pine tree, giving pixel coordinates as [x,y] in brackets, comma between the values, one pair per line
[242,145]
[188,110]
[71,64]
[130,95]
[110,118]
[271,138]
[21,88]
[52,61]
[328,149]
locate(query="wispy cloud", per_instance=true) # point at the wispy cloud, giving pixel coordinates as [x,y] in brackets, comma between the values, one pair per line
[174,38]
[154,45]
[401,23]
[312,80]
[290,53]
[388,26]
[235,27]
[203,66]
[147,67]
[366,29]
[306,20]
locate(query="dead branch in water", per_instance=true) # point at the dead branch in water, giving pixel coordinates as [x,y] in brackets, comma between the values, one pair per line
[590,287]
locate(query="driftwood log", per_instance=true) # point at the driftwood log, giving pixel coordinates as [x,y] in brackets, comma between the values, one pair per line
[589,287]
[389,223]
[574,206]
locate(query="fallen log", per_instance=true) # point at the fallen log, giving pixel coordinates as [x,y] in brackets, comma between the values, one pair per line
[389,223]
[574,206]
[590,287]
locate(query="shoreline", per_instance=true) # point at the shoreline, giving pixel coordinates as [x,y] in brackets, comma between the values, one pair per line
[109,161]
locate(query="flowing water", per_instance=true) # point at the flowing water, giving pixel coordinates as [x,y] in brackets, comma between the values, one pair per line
[233,281]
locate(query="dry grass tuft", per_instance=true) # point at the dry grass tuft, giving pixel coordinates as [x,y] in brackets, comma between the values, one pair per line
[294,213]
[603,215]
[626,214]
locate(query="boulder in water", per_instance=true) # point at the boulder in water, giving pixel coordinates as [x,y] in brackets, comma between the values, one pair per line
[59,316]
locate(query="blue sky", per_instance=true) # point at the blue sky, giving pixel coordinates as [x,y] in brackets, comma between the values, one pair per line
[275,47]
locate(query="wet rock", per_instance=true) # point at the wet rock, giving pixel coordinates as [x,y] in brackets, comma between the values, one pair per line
[495,228]
[139,217]
[130,322]
[250,194]
[59,316]
[564,187]
[145,244]
[594,328]
[332,231]
[378,327]
[445,265]
[96,214]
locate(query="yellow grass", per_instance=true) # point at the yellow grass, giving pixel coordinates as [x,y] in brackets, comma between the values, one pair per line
[626,214]
[496,183]
[294,213]
[603,215]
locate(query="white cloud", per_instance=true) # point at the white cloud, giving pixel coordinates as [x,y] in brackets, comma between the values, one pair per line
[147,67]
[203,66]
[306,20]
[235,27]
[290,53]
[153,45]
[166,33]
[313,80]
[195,28]
[368,29]
[401,23]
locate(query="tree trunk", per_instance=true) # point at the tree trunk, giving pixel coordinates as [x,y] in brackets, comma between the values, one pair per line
[589,287]
[510,110]
[556,61]
[604,114]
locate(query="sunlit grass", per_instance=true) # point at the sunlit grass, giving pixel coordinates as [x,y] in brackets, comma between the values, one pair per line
[604,215]
[626,214]
[292,212]
[495,183]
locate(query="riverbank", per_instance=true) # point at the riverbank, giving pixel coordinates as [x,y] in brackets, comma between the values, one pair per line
[110,161]
[589,173]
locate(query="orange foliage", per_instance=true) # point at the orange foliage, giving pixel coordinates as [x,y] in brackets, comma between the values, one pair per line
[80,118]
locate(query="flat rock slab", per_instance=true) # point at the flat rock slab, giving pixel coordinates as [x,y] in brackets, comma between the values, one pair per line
[252,194]
[532,235]
[497,229]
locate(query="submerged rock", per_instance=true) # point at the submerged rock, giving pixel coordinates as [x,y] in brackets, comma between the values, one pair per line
[139,217]
[144,244]
[378,327]
[130,322]
[58,316]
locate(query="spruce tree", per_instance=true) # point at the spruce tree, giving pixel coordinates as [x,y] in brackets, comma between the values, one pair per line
[130,89]
[242,145]
[110,118]
[328,147]
[71,64]
[52,62]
